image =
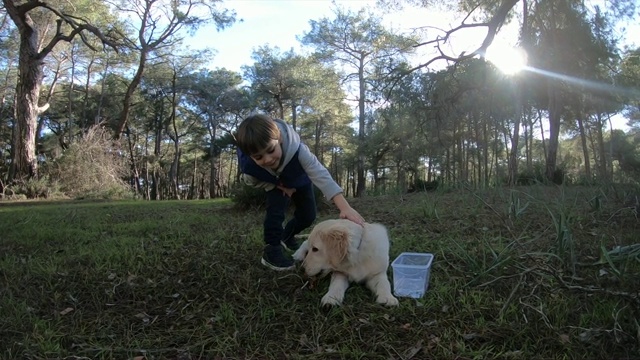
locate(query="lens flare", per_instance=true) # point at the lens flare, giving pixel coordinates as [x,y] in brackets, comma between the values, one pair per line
[507,59]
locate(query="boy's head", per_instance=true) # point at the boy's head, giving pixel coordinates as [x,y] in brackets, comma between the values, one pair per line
[255,133]
[259,137]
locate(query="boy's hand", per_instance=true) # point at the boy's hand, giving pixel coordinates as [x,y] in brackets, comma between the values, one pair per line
[346,211]
[286,191]
[351,214]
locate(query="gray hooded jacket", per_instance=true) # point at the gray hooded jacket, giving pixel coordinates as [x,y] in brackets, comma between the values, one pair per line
[318,173]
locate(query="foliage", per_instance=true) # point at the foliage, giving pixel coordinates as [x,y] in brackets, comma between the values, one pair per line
[158,26]
[41,188]
[423,185]
[247,197]
[92,168]
[532,176]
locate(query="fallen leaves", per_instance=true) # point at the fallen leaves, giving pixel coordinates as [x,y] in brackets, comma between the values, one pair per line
[66,311]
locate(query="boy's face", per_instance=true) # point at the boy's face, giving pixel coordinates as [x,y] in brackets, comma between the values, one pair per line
[270,156]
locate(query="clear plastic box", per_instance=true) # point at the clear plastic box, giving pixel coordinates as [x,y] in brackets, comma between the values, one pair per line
[411,274]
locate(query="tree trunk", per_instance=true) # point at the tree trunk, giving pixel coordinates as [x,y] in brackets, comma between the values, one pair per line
[544,144]
[192,188]
[361,124]
[24,164]
[102,92]
[585,148]
[529,140]
[376,178]
[147,177]
[135,172]
[174,172]
[602,163]
[513,155]
[316,141]
[128,96]
[70,97]
[87,87]
[294,115]
[155,190]
[280,106]
[554,132]
[485,155]
[447,165]
[213,157]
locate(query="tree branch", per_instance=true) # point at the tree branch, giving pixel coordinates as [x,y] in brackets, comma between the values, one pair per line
[78,29]
[492,26]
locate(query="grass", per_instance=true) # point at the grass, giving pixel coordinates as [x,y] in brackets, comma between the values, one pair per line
[524,273]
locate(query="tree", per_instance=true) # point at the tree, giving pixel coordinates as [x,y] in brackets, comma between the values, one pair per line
[8,63]
[570,47]
[357,42]
[547,21]
[159,25]
[629,77]
[216,96]
[279,77]
[33,19]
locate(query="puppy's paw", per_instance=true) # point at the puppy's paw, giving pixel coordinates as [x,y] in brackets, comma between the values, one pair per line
[331,300]
[388,300]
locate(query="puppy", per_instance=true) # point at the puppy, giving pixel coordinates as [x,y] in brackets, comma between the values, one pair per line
[351,253]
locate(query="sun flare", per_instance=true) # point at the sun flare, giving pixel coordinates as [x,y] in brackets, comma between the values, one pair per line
[508,59]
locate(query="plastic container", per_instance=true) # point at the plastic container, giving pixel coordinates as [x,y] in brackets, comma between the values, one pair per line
[411,274]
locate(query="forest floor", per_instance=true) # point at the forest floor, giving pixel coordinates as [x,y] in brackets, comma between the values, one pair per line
[541,272]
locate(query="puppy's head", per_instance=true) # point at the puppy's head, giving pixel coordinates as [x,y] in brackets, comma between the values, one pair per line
[328,247]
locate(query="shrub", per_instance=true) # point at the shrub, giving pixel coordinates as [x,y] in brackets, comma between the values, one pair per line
[92,168]
[537,175]
[33,189]
[246,197]
[422,185]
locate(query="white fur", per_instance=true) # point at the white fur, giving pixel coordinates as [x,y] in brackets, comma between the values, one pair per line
[351,253]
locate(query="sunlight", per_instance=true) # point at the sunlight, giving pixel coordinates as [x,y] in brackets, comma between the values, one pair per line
[508,59]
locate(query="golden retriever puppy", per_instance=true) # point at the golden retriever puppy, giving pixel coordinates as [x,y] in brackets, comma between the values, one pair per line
[351,253]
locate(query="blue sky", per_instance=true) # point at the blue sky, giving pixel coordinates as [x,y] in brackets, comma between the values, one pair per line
[273,22]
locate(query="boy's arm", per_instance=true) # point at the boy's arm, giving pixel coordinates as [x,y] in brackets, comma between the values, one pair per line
[321,177]
[318,173]
[346,211]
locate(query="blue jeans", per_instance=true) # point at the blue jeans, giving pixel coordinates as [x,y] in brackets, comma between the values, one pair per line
[277,204]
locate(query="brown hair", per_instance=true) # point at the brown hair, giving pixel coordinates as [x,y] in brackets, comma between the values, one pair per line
[255,132]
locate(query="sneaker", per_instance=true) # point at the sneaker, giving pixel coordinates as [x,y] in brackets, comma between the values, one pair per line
[273,257]
[291,244]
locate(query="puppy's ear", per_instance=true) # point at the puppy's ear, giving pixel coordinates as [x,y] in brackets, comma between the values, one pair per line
[302,251]
[336,241]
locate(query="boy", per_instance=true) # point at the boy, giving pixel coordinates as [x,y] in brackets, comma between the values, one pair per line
[271,156]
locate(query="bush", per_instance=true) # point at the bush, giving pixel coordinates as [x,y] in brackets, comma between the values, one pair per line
[92,168]
[246,197]
[422,185]
[41,188]
[536,175]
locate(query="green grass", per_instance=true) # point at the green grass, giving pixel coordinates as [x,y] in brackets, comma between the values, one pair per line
[182,280]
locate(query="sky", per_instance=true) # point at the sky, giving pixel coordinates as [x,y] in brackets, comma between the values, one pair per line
[278,23]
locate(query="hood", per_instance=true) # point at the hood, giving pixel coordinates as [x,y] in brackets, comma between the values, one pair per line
[290,142]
